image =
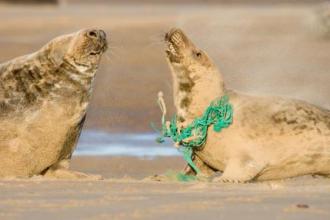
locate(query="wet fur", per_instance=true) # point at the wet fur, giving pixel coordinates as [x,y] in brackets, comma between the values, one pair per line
[270,138]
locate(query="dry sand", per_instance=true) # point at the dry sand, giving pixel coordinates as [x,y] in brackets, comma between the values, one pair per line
[130,198]
[121,167]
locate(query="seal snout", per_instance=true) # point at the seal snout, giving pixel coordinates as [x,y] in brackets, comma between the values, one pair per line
[99,37]
[176,42]
[97,34]
[175,36]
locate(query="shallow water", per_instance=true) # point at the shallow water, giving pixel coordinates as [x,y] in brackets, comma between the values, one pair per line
[98,143]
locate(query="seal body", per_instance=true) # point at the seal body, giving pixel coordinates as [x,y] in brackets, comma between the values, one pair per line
[270,137]
[43,101]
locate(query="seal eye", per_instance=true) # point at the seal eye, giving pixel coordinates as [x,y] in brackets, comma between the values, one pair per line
[198,54]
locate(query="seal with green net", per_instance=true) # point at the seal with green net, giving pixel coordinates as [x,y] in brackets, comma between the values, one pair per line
[219,114]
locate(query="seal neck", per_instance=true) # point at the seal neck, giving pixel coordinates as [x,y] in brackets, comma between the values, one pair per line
[194,92]
[67,80]
[67,73]
[78,79]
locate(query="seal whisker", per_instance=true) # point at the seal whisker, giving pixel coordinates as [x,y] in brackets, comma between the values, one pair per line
[107,56]
[113,47]
[113,54]
[156,40]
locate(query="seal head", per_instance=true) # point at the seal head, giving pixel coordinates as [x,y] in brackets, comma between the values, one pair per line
[83,49]
[181,50]
[193,74]
[64,67]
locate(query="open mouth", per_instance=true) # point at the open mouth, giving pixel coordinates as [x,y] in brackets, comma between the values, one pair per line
[174,45]
[171,50]
[173,53]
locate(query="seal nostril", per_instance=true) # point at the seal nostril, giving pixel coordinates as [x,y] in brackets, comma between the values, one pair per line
[92,34]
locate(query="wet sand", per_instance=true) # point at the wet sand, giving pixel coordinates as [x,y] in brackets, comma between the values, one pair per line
[130,198]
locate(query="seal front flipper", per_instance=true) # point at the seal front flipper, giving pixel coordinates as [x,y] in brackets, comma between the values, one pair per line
[55,172]
[61,170]
[239,170]
[205,169]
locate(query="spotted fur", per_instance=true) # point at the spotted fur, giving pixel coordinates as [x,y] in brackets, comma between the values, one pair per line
[43,102]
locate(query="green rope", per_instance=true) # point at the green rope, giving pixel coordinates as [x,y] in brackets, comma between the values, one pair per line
[219,114]
[179,176]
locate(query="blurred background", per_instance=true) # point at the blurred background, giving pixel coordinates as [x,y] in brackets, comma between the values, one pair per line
[262,47]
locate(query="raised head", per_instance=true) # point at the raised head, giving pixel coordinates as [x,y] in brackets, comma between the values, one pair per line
[82,49]
[188,61]
[196,80]
[182,52]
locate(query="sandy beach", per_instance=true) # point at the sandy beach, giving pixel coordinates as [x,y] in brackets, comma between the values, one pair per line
[123,196]
[266,50]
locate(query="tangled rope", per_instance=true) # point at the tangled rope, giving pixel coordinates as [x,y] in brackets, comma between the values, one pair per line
[219,114]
